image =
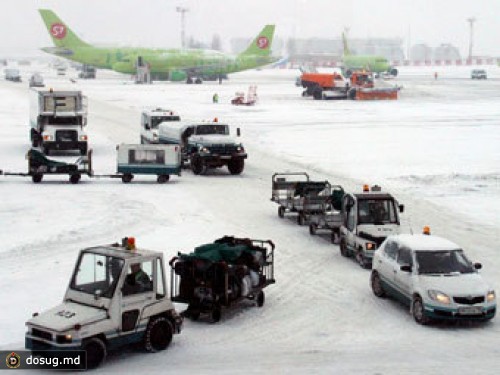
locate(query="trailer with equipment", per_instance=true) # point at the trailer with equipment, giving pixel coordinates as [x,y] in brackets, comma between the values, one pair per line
[58,120]
[367,219]
[117,296]
[221,274]
[299,195]
[160,160]
[150,121]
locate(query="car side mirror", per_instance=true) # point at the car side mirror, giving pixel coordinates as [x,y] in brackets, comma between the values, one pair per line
[401,208]
[238,132]
[405,268]
[478,266]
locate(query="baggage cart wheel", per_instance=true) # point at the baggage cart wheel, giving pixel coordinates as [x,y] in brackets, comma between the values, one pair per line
[313,228]
[127,177]
[216,314]
[37,178]
[75,178]
[343,248]
[301,219]
[163,178]
[261,298]
[281,211]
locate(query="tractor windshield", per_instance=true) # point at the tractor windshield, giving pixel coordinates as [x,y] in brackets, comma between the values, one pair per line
[212,129]
[97,273]
[377,211]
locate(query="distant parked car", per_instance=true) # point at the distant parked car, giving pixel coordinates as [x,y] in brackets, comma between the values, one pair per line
[12,75]
[36,80]
[434,277]
[478,74]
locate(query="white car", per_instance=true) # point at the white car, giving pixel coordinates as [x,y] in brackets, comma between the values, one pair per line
[434,277]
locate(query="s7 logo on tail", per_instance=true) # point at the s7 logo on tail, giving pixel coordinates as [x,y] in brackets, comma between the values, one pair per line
[58,30]
[262,42]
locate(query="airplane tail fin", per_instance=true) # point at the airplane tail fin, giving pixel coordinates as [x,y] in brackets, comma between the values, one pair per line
[261,45]
[347,52]
[61,34]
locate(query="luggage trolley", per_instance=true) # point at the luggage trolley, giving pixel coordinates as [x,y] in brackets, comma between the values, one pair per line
[329,216]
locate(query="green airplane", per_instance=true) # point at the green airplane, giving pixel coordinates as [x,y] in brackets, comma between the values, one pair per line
[372,63]
[172,64]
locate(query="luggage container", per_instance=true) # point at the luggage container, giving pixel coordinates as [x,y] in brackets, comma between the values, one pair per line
[221,274]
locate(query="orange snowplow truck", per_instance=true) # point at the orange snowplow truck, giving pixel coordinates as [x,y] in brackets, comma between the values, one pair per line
[324,85]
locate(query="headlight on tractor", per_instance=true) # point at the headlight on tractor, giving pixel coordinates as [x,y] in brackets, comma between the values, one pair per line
[490,297]
[240,149]
[439,297]
[64,339]
[370,246]
[205,150]
[83,138]
[48,137]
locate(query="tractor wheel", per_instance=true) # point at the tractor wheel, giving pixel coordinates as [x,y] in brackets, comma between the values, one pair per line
[236,166]
[163,178]
[96,352]
[158,335]
[197,165]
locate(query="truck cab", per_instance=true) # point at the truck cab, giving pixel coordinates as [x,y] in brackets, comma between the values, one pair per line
[367,219]
[117,295]
[58,120]
[151,120]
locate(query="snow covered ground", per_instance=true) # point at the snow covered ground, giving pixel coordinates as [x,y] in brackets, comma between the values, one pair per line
[436,149]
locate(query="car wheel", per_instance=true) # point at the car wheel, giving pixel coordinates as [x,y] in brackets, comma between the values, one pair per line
[158,335]
[377,287]
[96,352]
[418,311]
[281,212]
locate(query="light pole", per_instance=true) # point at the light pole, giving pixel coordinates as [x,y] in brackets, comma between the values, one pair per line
[471,21]
[183,12]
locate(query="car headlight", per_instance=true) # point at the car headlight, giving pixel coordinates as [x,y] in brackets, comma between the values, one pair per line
[439,297]
[370,246]
[490,296]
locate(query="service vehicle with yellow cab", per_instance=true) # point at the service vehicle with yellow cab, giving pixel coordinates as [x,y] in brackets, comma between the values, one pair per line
[433,276]
[117,295]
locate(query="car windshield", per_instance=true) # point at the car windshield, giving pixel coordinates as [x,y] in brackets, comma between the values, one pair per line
[97,273]
[443,262]
[376,211]
[212,129]
[155,121]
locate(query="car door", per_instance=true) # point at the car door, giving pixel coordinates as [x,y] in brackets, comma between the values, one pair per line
[386,262]
[403,279]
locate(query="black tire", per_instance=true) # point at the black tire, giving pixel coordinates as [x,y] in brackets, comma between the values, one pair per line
[127,177]
[281,212]
[189,80]
[394,72]
[37,178]
[318,93]
[163,178]
[261,299]
[198,81]
[313,228]
[236,166]
[418,311]
[362,261]
[301,219]
[158,335]
[343,248]
[351,94]
[96,352]
[75,178]
[197,165]
[376,285]
[216,314]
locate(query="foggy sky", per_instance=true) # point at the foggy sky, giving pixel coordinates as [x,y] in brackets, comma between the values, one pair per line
[155,23]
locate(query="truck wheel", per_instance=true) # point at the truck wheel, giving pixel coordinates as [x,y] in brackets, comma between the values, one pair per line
[197,165]
[96,352]
[318,93]
[158,335]
[343,248]
[351,94]
[377,287]
[281,212]
[418,311]
[261,298]
[163,178]
[37,178]
[216,314]
[236,166]
[313,228]
[127,177]
[75,178]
